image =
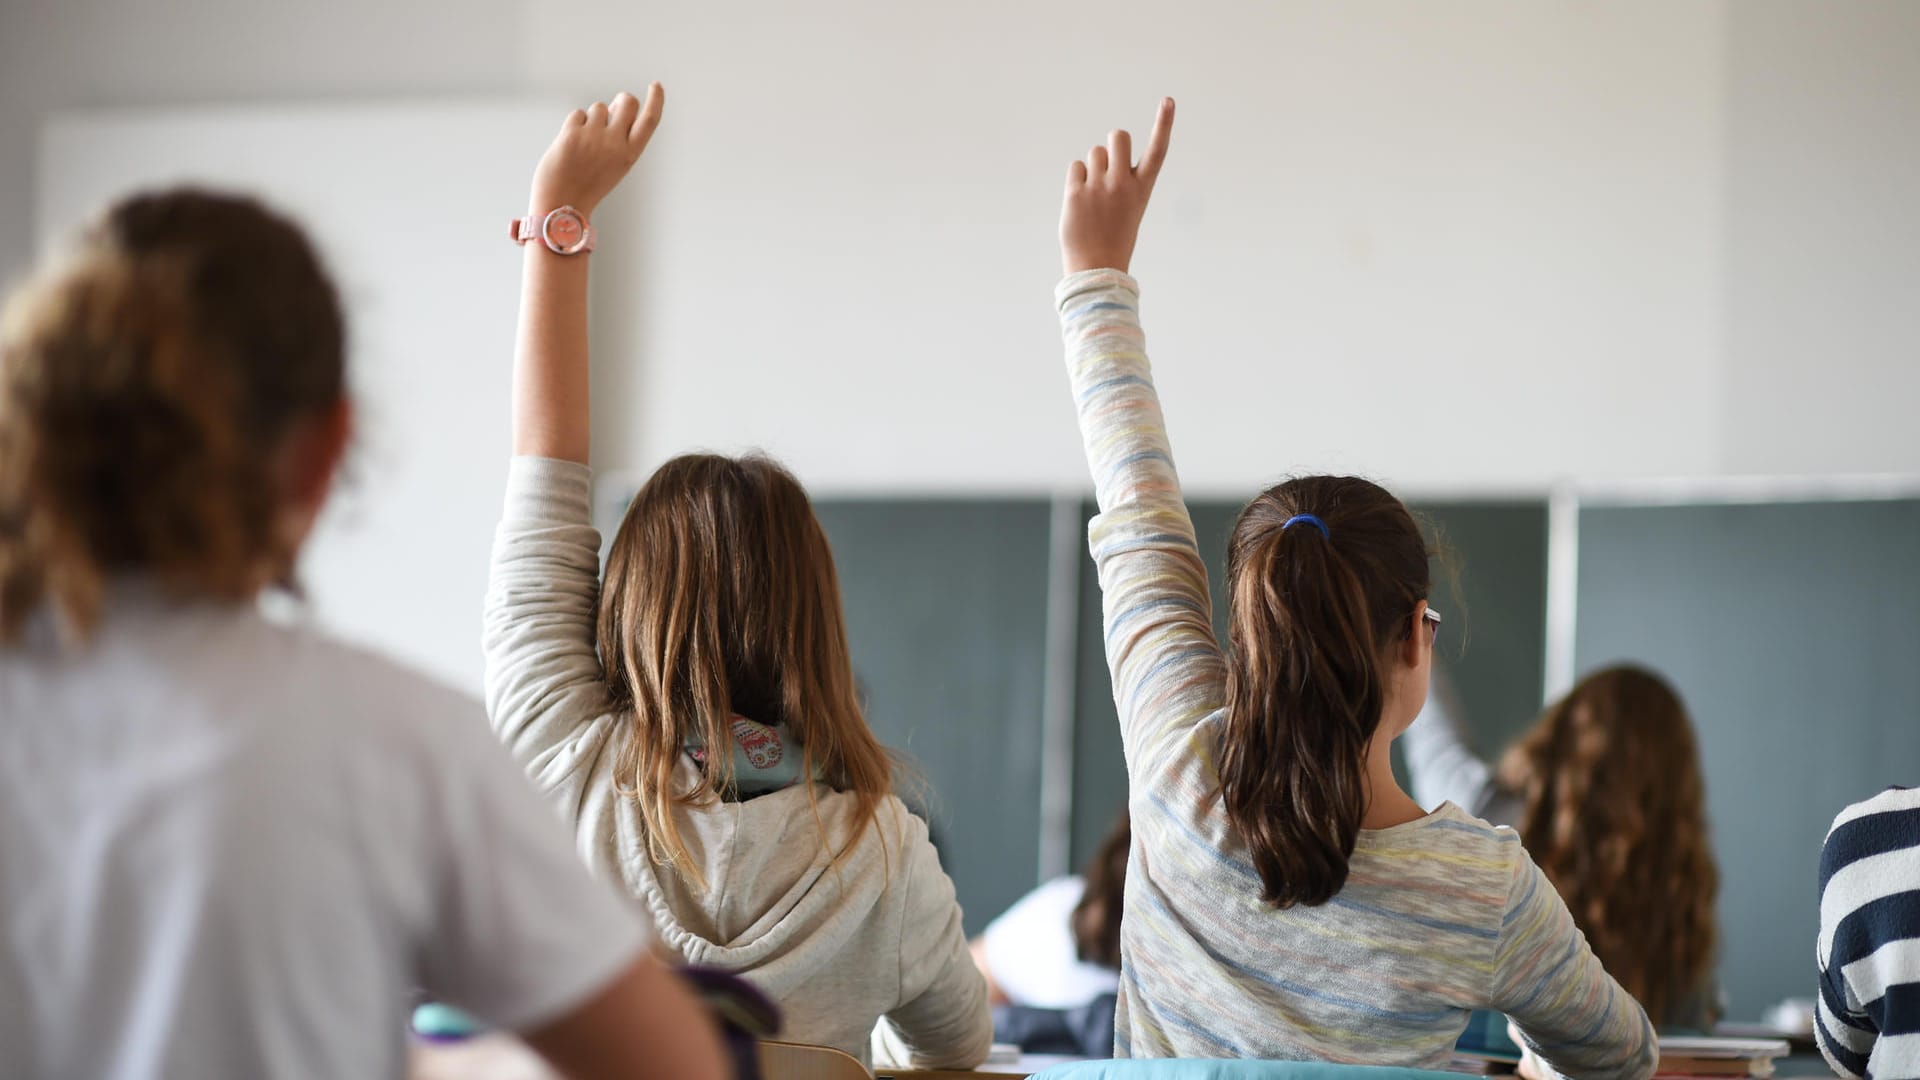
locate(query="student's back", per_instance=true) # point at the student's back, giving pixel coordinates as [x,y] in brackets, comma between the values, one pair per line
[234,849]
[693,710]
[1438,917]
[1285,899]
[231,849]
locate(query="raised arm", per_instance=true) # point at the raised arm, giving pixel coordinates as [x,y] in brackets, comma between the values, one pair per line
[1442,766]
[545,689]
[592,153]
[1167,669]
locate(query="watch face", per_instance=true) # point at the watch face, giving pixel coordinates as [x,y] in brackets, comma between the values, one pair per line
[564,230]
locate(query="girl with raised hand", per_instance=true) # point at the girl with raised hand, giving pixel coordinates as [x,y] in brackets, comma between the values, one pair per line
[1607,792]
[1285,898]
[228,847]
[694,712]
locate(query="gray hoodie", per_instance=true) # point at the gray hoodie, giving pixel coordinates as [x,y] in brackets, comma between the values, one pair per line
[837,945]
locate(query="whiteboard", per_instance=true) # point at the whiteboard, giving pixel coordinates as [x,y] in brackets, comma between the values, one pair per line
[398,561]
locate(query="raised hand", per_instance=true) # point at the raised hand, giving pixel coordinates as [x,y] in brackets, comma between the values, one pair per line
[594,150]
[1107,196]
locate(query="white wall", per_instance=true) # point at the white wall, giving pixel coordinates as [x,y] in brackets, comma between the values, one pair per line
[60,55]
[1823,256]
[399,559]
[1475,245]
[1450,245]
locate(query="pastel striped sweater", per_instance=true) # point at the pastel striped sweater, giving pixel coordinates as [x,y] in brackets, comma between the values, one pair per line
[1439,916]
[1869,1011]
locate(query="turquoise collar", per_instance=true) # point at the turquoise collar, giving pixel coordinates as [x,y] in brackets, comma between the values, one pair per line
[766,757]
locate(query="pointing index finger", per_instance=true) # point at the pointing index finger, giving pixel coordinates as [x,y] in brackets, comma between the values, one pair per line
[642,129]
[1156,152]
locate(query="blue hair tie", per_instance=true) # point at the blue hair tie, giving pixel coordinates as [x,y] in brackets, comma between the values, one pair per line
[1309,519]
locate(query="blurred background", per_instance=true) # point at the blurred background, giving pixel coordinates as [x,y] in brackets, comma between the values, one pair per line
[1625,296]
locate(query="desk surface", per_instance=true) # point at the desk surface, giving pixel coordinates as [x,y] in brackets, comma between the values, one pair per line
[501,1057]
[1026,1066]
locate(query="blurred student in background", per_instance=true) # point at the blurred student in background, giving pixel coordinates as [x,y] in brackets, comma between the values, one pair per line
[1052,960]
[228,847]
[694,712]
[1606,792]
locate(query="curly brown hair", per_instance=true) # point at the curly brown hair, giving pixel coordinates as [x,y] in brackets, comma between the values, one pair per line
[1615,814]
[146,382]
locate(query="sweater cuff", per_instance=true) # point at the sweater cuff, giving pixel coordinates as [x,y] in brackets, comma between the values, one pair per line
[548,489]
[1088,281]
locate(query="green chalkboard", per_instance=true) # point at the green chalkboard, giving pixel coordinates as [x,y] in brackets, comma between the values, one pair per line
[1492,590]
[946,615]
[1791,631]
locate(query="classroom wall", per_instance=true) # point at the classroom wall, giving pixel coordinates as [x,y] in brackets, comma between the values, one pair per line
[1823,238]
[1788,631]
[1455,230]
[1632,238]
[81,54]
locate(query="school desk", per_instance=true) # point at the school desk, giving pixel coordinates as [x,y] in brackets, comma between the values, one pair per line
[1026,1066]
[502,1057]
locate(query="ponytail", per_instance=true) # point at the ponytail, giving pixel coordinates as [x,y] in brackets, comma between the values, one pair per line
[1315,608]
[146,385]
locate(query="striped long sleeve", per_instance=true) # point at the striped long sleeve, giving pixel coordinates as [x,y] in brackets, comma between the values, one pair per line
[1439,916]
[1868,1020]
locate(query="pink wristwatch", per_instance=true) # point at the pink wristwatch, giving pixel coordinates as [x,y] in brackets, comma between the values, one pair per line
[564,230]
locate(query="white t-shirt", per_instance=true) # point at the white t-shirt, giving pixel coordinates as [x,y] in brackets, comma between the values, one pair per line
[233,849]
[1031,953]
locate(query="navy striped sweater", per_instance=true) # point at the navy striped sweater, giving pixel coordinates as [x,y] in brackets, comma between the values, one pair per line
[1869,1013]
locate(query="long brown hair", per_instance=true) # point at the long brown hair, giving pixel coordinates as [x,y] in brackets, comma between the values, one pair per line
[1616,817]
[721,598]
[1096,918]
[1313,616]
[146,383]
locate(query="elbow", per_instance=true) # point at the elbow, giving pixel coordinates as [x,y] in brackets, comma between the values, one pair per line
[1647,1061]
[1641,1055]
[968,1043]
[974,1049]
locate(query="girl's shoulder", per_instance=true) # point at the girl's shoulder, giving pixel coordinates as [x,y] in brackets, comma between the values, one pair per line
[1446,826]
[1448,847]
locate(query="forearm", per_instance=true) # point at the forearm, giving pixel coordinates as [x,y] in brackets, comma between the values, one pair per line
[1570,1012]
[1121,428]
[551,381]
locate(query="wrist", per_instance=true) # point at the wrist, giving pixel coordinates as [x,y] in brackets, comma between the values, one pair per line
[543,201]
[560,227]
[1074,262]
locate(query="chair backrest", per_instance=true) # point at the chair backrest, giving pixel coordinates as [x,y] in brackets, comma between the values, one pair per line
[799,1061]
[1198,1069]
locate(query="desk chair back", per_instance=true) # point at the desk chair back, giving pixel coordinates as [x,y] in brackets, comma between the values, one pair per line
[799,1061]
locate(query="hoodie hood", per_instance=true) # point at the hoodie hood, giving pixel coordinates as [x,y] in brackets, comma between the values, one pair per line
[772,891]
